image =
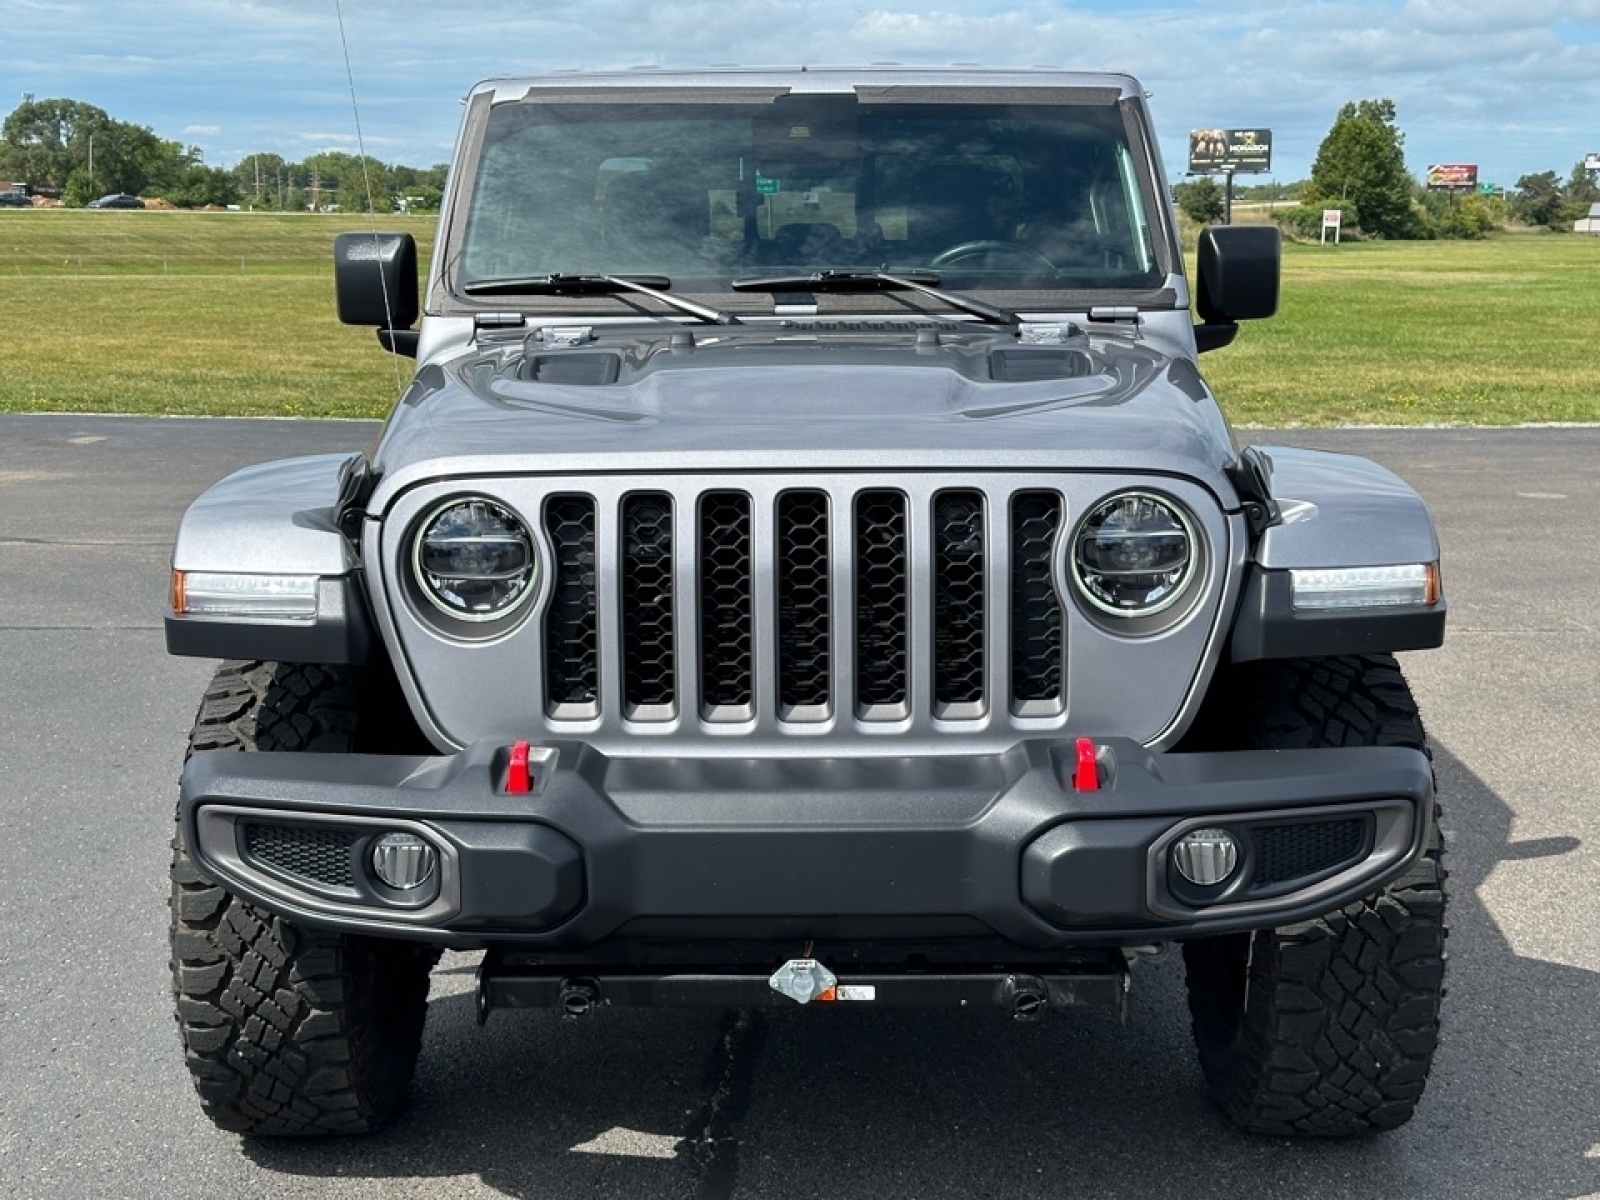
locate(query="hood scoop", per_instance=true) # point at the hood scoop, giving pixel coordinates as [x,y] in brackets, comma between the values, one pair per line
[589,368]
[1038,364]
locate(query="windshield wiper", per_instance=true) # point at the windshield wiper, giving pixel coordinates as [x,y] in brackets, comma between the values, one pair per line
[559,284]
[914,280]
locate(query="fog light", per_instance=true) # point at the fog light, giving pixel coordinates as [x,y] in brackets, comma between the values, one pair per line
[1206,857]
[403,860]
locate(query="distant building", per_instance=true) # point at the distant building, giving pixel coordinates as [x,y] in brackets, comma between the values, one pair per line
[1589,224]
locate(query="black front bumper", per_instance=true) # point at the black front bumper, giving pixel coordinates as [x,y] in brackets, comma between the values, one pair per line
[961,847]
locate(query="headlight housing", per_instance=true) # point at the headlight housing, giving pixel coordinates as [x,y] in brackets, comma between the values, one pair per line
[1133,554]
[474,559]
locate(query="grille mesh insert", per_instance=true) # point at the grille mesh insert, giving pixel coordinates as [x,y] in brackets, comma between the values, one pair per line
[1286,852]
[320,856]
[881,600]
[804,593]
[727,663]
[958,599]
[648,663]
[572,649]
[1036,618]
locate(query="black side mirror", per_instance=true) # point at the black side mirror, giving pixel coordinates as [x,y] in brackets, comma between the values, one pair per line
[375,282]
[1238,279]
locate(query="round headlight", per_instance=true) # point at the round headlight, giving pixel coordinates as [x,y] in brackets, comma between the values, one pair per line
[475,560]
[1133,554]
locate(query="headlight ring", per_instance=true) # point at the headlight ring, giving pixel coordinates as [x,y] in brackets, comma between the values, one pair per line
[1134,555]
[474,559]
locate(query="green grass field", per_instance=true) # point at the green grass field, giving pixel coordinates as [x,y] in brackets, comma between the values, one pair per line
[192,313]
[232,313]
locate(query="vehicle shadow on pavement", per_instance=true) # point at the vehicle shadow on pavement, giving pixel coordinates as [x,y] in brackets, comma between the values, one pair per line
[956,1104]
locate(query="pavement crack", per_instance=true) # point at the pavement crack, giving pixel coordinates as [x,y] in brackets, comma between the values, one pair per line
[712,1143]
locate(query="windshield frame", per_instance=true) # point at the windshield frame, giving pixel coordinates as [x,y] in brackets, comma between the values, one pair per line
[870,91]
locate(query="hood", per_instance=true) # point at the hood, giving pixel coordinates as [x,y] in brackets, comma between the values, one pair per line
[807,396]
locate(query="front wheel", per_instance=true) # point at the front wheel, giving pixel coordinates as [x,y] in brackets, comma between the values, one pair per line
[286,1030]
[1327,1027]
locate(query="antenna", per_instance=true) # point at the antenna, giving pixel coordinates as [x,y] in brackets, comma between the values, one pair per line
[366,177]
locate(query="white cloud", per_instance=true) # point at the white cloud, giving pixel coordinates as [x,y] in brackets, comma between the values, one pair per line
[1512,84]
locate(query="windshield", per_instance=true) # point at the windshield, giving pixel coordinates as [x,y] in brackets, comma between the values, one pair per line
[989,195]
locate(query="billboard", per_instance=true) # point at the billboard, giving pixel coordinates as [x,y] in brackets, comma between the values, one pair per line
[1452,177]
[1591,162]
[1217,151]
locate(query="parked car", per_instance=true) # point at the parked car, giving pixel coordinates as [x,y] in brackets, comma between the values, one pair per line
[117,200]
[15,200]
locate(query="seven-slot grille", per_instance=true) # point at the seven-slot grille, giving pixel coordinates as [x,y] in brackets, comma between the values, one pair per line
[800,604]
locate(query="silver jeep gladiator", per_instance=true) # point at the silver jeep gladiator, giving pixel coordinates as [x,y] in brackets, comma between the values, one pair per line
[807,568]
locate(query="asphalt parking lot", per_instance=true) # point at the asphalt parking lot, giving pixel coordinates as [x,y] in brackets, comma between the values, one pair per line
[94,1100]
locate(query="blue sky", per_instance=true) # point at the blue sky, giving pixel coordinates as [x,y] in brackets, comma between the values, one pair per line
[1513,87]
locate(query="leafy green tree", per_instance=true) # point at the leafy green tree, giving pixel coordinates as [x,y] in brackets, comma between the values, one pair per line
[1201,200]
[259,178]
[199,186]
[44,141]
[1541,200]
[48,142]
[1468,217]
[1581,190]
[79,189]
[1361,164]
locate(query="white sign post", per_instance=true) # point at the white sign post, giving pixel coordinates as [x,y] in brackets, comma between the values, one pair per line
[1331,217]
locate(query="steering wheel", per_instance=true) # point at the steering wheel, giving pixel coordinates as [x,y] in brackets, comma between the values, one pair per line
[987,246]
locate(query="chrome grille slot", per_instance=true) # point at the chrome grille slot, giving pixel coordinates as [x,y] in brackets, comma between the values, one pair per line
[572,639]
[649,661]
[726,582]
[959,607]
[804,606]
[882,595]
[1037,622]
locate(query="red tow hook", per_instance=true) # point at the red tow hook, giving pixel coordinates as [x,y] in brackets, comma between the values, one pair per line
[1087,777]
[519,780]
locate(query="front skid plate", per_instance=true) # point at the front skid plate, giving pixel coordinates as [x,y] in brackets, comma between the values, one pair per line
[1023,995]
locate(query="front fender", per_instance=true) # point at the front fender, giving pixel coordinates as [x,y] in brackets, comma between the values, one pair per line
[272,521]
[1337,510]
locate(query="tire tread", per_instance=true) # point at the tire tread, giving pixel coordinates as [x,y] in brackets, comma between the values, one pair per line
[287,1031]
[1327,1027]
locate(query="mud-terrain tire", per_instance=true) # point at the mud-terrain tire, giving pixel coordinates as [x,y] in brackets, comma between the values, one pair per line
[288,1031]
[1327,1027]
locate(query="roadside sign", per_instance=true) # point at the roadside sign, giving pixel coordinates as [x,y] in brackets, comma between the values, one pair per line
[1332,218]
[1452,177]
[1226,151]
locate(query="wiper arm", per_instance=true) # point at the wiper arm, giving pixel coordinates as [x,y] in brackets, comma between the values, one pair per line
[925,282]
[558,284]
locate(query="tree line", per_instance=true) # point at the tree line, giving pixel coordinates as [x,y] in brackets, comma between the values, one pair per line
[79,151]
[1360,169]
